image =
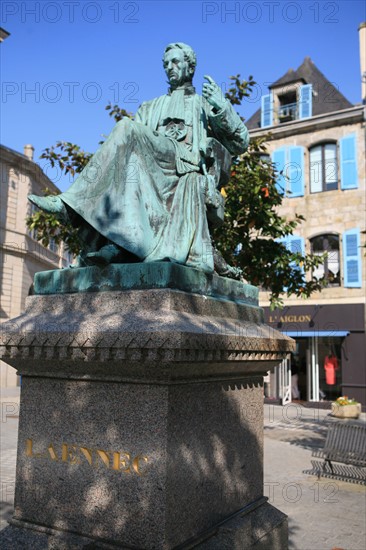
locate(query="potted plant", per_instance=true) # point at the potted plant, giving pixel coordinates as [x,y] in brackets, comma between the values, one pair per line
[343,407]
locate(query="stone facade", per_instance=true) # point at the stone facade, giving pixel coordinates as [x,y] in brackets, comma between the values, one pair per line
[326,212]
[21,255]
[333,209]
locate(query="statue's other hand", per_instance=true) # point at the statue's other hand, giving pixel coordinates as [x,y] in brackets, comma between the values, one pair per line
[213,93]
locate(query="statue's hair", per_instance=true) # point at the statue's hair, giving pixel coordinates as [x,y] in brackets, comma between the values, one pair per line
[188,52]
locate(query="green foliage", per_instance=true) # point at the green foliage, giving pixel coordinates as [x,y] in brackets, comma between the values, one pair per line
[47,227]
[71,160]
[239,89]
[252,223]
[117,112]
[252,220]
[68,156]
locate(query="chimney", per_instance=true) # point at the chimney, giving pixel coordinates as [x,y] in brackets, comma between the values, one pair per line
[362,35]
[28,151]
[4,34]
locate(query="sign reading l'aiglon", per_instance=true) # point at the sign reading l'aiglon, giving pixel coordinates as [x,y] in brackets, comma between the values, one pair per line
[290,318]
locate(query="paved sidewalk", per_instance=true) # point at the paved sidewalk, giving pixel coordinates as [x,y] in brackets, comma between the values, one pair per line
[323,515]
[9,412]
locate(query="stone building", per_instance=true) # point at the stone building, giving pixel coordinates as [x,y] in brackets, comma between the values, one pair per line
[21,255]
[318,141]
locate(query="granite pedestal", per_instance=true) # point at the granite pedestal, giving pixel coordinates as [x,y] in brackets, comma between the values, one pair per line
[141,420]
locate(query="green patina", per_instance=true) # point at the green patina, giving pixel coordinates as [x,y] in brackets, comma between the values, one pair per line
[152,190]
[143,276]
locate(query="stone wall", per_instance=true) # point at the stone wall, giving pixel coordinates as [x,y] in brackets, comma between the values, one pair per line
[331,211]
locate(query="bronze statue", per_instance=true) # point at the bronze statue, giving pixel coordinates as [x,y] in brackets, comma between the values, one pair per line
[152,190]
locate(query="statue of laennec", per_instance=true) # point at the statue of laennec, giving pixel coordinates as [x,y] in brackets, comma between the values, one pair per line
[152,190]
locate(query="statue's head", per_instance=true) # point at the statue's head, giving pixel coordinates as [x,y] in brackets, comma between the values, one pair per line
[179,63]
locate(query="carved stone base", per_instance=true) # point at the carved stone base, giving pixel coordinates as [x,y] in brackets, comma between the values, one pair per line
[141,421]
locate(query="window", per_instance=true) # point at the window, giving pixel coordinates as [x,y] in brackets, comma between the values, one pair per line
[323,168]
[330,268]
[288,109]
[32,210]
[325,159]
[68,257]
[265,158]
[53,246]
[280,105]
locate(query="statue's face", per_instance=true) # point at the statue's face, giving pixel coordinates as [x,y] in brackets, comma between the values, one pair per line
[176,68]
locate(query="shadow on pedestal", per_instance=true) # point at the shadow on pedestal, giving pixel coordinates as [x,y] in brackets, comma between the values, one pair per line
[141,421]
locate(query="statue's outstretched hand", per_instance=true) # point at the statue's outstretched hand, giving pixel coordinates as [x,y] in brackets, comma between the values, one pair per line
[213,93]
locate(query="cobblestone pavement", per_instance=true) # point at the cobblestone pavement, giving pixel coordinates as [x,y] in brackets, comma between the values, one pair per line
[323,515]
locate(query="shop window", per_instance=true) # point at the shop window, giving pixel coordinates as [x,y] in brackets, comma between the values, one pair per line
[330,268]
[323,168]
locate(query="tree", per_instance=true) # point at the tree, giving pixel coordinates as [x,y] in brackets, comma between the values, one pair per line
[252,237]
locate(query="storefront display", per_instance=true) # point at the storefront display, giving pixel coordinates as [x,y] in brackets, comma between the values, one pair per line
[330,342]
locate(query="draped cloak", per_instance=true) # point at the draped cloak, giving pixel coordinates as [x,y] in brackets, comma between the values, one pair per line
[144,188]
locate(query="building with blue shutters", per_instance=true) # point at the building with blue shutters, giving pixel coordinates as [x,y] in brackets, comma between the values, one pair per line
[318,145]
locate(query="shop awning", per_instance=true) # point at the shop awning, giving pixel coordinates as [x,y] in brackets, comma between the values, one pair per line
[309,333]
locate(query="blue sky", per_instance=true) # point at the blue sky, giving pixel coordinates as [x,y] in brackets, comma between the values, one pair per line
[65,60]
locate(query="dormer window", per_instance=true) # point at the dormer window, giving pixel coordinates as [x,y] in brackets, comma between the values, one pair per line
[288,107]
[293,102]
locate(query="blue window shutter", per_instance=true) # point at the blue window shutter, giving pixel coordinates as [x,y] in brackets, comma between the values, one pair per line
[279,159]
[267,110]
[352,258]
[295,171]
[285,242]
[348,154]
[306,101]
[296,244]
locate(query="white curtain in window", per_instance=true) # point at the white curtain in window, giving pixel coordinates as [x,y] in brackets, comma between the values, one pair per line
[318,272]
[333,261]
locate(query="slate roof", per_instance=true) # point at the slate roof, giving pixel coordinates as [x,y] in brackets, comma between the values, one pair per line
[327,97]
